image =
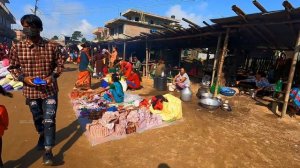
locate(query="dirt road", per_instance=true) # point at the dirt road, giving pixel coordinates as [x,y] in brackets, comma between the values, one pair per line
[250,136]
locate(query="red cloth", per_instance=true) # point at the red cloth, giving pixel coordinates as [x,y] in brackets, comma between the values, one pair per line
[144,103]
[3,120]
[126,68]
[134,78]
[105,71]
[157,104]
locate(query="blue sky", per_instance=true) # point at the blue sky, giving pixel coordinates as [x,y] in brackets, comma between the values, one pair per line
[65,16]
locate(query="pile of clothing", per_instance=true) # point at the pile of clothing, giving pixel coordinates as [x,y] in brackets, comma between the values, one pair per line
[6,80]
[105,121]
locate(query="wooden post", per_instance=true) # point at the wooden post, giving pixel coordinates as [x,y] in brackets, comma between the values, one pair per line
[221,61]
[124,51]
[291,77]
[216,58]
[147,56]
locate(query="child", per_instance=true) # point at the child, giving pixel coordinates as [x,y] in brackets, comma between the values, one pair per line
[3,121]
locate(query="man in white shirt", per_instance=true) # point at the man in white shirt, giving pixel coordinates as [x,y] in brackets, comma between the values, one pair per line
[182,80]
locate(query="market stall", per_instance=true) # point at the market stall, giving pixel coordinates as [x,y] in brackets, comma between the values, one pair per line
[6,79]
[104,120]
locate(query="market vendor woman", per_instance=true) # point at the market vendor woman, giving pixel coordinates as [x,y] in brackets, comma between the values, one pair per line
[115,89]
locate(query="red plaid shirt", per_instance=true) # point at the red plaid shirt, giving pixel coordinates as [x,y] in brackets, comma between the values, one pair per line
[36,60]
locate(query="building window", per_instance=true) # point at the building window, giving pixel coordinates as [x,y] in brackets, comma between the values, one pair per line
[129,18]
[137,19]
[120,29]
[151,22]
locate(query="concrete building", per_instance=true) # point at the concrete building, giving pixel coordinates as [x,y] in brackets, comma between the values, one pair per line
[101,34]
[19,34]
[135,22]
[6,20]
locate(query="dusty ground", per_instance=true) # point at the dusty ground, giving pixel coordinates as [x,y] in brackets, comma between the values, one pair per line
[250,136]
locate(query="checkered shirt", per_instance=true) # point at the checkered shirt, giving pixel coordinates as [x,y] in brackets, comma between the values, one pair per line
[42,60]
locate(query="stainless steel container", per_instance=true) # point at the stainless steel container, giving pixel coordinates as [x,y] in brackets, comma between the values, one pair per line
[186,94]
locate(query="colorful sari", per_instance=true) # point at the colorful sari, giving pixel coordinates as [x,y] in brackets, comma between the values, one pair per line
[83,80]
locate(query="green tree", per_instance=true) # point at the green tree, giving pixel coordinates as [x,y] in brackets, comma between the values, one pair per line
[83,40]
[76,35]
[54,38]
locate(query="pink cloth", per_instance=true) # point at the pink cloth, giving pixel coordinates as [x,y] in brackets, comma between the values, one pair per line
[5,62]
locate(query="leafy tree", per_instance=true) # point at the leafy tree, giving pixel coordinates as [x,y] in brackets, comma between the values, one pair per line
[54,38]
[76,35]
[83,40]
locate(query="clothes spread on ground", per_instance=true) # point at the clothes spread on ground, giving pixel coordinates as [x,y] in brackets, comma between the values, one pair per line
[105,121]
[157,102]
[172,109]
[7,81]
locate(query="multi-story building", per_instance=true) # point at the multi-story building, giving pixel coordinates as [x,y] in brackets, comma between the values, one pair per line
[6,20]
[135,22]
[101,34]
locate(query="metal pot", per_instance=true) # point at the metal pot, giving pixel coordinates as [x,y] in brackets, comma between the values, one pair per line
[202,91]
[206,95]
[186,94]
[210,103]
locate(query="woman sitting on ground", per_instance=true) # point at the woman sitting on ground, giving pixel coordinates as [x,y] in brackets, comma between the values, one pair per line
[116,90]
[133,81]
[181,80]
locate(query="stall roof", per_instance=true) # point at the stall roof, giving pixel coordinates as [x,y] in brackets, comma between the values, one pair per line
[268,29]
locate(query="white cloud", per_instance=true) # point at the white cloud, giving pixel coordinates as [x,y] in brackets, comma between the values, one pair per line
[181,13]
[62,18]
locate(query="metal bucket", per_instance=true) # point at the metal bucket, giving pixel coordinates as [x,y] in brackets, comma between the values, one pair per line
[161,83]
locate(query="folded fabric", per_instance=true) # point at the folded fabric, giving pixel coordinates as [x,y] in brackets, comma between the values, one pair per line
[144,103]
[18,88]
[9,76]
[8,88]
[12,83]
[3,74]
[17,85]
[4,81]
[112,109]
[3,69]
[104,84]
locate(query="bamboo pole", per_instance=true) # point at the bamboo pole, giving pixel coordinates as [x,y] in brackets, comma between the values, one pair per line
[147,54]
[220,67]
[216,58]
[291,77]
[124,51]
[259,6]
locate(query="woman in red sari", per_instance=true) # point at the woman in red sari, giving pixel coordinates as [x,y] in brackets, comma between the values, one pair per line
[133,81]
[126,68]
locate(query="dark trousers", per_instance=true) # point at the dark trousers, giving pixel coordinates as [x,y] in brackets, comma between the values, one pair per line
[44,114]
